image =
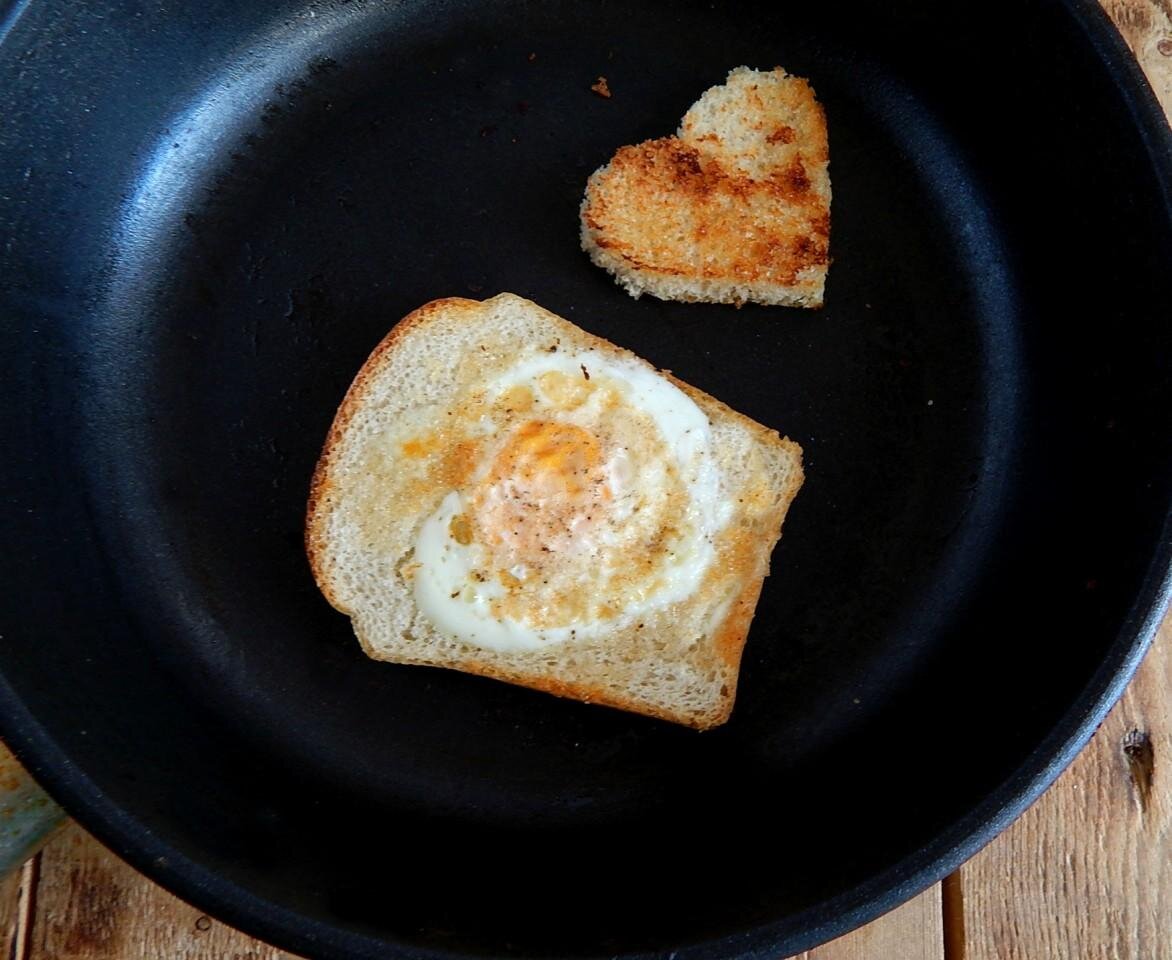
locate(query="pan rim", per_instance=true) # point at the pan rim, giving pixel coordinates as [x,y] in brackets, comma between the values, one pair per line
[122,832]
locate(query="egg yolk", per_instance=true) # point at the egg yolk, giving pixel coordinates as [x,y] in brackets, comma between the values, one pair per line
[542,492]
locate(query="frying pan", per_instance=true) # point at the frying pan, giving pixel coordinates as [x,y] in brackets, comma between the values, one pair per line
[210,213]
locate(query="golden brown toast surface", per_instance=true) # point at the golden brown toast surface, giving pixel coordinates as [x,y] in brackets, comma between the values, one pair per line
[735,207]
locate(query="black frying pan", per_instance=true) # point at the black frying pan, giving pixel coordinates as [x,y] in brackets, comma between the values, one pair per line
[209,214]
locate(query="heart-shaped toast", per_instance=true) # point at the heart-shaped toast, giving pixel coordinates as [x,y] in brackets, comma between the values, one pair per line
[735,207]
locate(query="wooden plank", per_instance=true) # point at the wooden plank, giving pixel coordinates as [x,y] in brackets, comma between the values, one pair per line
[1146,25]
[913,931]
[1087,871]
[10,914]
[92,906]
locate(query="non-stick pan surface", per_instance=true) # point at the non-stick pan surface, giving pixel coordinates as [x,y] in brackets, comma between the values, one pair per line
[210,213]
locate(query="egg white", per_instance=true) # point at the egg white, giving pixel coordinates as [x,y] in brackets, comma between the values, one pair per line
[667,481]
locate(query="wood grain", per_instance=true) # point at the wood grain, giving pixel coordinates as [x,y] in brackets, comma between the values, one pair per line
[1146,25]
[1087,871]
[9,913]
[914,931]
[92,906]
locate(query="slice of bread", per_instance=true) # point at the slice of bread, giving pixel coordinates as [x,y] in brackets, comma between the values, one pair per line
[429,415]
[734,208]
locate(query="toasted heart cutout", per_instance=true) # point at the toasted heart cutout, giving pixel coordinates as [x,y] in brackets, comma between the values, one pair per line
[734,208]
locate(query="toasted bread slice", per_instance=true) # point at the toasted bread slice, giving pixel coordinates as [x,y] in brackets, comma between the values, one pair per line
[459,388]
[734,208]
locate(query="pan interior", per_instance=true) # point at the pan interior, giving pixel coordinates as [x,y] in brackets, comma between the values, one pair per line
[430,164]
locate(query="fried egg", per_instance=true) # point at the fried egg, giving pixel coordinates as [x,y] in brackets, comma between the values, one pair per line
[591,498]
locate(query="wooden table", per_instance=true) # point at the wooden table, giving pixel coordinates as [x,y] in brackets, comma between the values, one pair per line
[1085,874]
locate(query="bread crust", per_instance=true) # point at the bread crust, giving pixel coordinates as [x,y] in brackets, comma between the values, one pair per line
[728,635]
[320,483]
